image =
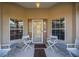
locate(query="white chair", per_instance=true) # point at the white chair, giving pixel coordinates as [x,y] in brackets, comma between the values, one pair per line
[26,41]
[52,40]
[73,48]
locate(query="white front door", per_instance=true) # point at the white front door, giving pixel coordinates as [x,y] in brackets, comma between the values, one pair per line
[37,31]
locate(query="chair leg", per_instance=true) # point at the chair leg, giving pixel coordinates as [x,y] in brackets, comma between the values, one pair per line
[55,47]
[50,46]
[28,46]
[70,54]
[24,46]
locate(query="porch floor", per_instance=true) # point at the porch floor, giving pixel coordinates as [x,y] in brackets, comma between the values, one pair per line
[30,52]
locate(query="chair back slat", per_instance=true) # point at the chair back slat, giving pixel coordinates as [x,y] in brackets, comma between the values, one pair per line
[53,37]
[25,39]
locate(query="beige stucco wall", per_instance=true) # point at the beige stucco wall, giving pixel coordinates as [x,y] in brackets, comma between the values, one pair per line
[77,20]
[60,10]
[0,25]
[74,22]
[10,10]
[37,13]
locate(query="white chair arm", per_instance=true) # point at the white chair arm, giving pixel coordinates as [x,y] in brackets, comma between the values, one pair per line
[70,45]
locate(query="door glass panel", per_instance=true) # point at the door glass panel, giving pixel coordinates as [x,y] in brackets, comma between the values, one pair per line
[37,31]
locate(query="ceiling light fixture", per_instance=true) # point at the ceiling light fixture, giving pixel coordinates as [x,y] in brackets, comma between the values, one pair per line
[37,4]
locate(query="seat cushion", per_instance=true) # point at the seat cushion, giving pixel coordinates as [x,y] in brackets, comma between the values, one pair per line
[62,47]
[17,45]
[74,51]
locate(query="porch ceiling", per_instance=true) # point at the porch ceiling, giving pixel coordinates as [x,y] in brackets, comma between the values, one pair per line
[33,4]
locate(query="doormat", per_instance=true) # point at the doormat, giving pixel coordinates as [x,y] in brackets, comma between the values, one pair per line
[39,46]
[39,53]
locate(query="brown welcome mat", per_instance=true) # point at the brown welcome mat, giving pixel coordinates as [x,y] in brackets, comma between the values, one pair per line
[40,46]
[39,50]
[39,53]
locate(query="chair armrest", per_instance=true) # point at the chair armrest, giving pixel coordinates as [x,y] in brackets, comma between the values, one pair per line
[49,41]
[70,45]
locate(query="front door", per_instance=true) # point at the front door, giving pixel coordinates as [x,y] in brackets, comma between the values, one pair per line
[37,31]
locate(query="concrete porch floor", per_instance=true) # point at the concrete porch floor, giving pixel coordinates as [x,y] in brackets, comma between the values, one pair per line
[19,51]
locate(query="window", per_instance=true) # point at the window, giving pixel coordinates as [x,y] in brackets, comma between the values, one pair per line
[16,29]
[58,28]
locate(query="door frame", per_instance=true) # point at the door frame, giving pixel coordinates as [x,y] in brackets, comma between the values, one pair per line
[33,29]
